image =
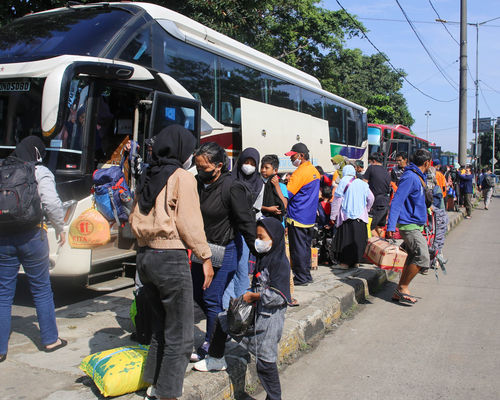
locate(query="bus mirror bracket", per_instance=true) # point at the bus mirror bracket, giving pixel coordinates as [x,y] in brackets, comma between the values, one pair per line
[56,89]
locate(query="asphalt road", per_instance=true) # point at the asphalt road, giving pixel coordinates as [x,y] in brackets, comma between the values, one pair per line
[447,346]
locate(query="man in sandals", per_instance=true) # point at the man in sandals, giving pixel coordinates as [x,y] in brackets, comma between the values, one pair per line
[409,213]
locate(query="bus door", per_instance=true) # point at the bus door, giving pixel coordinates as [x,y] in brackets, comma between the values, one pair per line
[391,148]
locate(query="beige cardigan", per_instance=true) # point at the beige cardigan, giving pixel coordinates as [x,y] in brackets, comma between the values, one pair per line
[175,221]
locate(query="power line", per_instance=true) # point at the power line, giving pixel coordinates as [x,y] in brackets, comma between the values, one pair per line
[434,61]
[485,102]
[388,61]
[442,23]
[415,22]
[485,84]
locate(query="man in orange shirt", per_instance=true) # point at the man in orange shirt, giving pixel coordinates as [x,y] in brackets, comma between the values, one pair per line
[440,179]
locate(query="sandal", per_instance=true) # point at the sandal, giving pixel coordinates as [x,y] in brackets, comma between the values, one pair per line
[403,297]
[294,303]
[3,357]
[59,346]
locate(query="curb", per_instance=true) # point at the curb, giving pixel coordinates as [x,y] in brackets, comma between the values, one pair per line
[335,296]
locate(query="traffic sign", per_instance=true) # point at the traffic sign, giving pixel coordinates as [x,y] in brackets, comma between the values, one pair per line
[484,125]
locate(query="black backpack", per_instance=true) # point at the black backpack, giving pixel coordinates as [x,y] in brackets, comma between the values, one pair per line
[20,204]
[490,181]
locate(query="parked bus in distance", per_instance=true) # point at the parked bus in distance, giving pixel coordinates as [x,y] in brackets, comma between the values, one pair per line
[87,78]
[448,159]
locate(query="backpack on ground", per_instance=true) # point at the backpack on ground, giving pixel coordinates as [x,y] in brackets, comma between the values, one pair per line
[20,204]
[112,195]
[490,181]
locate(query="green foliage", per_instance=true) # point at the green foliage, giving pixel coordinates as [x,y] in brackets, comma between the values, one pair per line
[486,141]
[297,32]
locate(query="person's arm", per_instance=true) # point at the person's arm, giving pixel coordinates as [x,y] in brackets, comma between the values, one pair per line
[366,176]
[276,182]
[404,189]
[370,198]
[335,209]
[243,215]
[51,202]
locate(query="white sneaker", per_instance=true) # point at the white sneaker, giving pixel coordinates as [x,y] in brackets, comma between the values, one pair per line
[211,364]
[151,393]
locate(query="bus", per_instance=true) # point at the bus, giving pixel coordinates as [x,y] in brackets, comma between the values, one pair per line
[87,78]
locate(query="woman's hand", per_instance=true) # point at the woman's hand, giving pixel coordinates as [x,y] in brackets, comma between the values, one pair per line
[208,271]
[251,297]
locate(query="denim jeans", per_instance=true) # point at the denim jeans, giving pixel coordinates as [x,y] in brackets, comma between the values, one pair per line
[210,300]
[31,249]
[169,293]
[240,282]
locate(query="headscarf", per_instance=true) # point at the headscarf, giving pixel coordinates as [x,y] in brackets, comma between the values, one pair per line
[275,260]
[340,160]
[354,198]
[26,149]
[172,147]
[254,181]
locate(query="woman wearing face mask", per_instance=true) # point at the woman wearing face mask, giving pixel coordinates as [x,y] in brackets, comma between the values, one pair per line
[271,293]
[27,244]
[226,206]
[167,221]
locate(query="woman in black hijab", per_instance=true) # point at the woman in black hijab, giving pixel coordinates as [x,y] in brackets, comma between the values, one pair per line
[247,171]
[167,221]
[271,293]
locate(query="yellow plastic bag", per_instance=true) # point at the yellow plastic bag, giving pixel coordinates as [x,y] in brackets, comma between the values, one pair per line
[117,371]
[369,227]
[89,230]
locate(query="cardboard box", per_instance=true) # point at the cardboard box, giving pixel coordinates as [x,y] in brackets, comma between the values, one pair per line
[385,254]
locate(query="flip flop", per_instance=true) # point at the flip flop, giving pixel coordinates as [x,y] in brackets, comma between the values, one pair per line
[403,297]
[294,303]
[3,357]
[59,346]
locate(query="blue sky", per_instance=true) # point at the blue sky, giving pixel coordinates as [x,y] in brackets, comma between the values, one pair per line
[399,43]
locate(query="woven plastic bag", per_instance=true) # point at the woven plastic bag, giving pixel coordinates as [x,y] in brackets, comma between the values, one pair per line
[89,230]
[117,371]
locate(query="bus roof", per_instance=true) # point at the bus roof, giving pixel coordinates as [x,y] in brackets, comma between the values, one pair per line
[192,32]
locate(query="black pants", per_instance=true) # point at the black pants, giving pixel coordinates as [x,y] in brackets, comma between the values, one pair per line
[267,371]
[167,283]
[300,252]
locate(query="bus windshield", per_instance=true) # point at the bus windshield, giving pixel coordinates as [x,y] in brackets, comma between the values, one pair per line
[77,31]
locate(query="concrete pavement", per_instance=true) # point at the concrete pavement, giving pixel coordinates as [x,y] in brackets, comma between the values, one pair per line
[447,346]
[103,322]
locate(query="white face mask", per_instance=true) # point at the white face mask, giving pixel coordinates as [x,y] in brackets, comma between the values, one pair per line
[336,167]
[297,162]
[248,169]
[188,163]
[263,246]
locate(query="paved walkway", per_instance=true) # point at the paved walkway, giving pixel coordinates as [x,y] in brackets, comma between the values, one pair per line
[447,346]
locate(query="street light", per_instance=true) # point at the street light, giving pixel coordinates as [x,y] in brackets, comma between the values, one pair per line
[476,82]
[427,114]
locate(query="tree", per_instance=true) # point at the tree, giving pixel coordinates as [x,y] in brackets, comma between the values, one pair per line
[486,141]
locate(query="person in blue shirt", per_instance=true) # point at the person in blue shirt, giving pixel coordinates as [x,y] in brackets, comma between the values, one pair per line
[466,180]
[409,213]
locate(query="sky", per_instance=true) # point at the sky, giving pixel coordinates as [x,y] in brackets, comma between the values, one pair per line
[398,41]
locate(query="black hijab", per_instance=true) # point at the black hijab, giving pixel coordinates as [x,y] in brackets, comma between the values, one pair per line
[172,147]
[254,181]
[275,260]
[26,149]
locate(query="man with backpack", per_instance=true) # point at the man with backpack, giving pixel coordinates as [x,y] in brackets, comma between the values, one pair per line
[25,187]
[487,183]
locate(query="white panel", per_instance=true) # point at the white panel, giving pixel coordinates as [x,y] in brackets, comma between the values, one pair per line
[283,128]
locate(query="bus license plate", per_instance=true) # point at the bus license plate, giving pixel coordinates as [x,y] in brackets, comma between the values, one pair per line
[14,86]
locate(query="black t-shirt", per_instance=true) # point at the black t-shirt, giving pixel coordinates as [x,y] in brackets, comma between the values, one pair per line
[379,180]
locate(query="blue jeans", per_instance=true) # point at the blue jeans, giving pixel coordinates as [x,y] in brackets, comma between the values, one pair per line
[210,300]
[31,249]
[240,282]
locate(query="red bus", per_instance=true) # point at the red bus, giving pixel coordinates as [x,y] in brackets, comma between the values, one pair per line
[392,139]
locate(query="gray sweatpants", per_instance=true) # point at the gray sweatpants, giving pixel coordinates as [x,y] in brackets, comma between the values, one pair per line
[487,193]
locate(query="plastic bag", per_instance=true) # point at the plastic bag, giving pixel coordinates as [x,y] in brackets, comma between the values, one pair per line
[89,230]
[240,317]
[117,371]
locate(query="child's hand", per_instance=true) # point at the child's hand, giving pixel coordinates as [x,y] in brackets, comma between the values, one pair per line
[250,297]
[276,181]
[275,210]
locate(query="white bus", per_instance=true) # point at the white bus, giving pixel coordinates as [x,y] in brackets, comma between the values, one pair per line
[87,78]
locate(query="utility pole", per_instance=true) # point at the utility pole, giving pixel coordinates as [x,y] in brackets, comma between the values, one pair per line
[462,108]
[493,159]
[476,130]
[427,114]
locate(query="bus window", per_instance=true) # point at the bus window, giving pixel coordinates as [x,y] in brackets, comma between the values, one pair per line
[351,133]
[334,113]
[311,103]
[388,134]
[282,94]
[374,139]
[195,69]
[237,80]
[138,50]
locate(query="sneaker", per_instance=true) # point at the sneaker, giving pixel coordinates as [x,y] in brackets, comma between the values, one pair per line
[200,353]
[467,217]
[211,364]
[151,393]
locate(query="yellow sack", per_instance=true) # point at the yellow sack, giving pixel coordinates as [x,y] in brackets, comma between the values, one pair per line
[89,230]
[117,371]
[369,227]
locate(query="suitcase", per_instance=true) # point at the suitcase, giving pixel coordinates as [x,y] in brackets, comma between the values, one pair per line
[450,203]
[386,255]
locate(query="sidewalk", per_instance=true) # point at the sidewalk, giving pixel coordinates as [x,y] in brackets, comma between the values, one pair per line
[104,323]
